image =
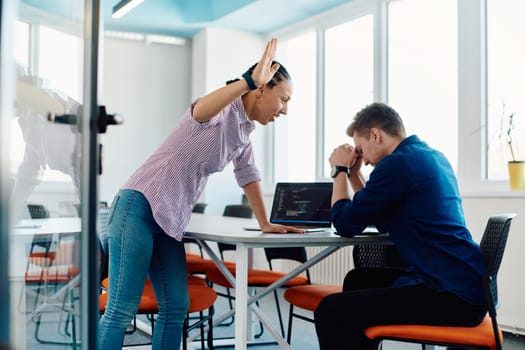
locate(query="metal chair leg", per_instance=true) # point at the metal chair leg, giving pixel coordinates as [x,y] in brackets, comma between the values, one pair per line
[290,317]
[277,305]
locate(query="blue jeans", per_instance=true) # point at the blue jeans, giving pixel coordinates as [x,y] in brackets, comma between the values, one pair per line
[138,247]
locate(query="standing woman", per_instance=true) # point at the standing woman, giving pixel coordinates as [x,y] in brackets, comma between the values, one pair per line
[152,209]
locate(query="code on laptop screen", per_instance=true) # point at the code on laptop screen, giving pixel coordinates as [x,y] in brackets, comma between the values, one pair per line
[302,204]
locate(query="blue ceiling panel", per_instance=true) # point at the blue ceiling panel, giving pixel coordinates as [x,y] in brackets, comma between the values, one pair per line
[265,16]
[209,10]
[184,18]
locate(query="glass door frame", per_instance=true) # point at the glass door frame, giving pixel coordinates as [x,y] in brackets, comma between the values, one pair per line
[90,171]
[6,106]
[88,124]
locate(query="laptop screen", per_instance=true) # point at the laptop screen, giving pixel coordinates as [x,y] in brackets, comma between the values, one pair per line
[302,204]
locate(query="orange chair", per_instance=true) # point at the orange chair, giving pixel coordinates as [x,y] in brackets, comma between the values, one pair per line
[196,263]
[231,210]
[308,297]
[257,278]
[62,269]
[202,298]
[40,256]
[264,278]
[147,306]
[487,334]
[377,256]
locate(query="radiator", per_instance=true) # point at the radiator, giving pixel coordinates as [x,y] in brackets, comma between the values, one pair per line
[331,270]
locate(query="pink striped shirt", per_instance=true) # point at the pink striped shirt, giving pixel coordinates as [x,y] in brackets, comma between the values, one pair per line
[174,176]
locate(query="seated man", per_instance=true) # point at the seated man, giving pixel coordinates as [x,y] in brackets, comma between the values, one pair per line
[413,195]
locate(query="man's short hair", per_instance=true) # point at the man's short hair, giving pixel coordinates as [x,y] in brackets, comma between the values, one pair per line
[376,115]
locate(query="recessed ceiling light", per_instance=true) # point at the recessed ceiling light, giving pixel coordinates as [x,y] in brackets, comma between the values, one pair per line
[124,7]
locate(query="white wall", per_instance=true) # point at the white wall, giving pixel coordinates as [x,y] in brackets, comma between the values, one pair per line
[511,284]
[153,85]
[150,86]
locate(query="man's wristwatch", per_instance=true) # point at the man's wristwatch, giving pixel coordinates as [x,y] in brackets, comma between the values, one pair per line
[337,169]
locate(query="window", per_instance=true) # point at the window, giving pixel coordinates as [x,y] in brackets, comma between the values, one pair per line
[295,134]
[60,61]
[505,88]
[21,56]
[58,66]
[422,70]
[348,86]
[451,69]
[349,79]
[21,44]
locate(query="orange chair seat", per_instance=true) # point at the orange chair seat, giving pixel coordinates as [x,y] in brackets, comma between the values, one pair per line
[41,258]
[197,264]
[148,305]
[255,278]
[148,302]
[194,280]
[480,335]
[148,288]
[52,274]
[202,297]
[309,296]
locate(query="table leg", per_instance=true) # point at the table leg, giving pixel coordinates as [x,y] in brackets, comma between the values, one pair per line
[241,297]
[244,308]
[268,325]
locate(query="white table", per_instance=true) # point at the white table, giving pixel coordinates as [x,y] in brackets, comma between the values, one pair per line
[205,228]
[35,227]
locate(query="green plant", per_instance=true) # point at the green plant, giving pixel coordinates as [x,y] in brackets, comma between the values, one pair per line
[509,130]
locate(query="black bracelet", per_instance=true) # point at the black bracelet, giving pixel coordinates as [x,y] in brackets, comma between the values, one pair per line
[251,84]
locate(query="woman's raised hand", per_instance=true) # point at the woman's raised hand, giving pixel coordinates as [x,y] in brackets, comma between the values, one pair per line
[264,71]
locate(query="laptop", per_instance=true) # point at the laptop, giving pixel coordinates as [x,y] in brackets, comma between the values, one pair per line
[305,205]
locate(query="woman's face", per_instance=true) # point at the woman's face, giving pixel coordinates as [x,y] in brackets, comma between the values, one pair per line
[270,103]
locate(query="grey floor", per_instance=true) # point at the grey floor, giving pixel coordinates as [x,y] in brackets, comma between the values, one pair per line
[52,327]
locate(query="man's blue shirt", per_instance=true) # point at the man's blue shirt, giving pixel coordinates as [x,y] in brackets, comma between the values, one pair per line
[413,195]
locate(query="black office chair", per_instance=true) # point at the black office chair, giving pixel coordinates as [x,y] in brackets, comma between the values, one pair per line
[199,207]
[236,211]
[308,297]
[39,211]
[487,334]
[377,256]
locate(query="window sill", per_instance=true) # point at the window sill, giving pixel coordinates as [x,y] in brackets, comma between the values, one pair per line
[494,194]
